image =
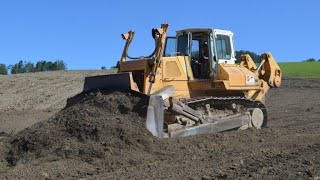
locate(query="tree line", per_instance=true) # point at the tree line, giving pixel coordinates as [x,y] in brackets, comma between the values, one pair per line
[256,58]
[29,67]
[311,60]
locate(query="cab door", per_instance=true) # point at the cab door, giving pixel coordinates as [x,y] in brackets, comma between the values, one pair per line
[224,47]
[176,70]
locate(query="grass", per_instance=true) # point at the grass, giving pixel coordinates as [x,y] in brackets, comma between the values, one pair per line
[301,69]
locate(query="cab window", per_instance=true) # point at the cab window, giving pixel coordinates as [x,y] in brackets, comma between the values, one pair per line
[183,45]
[195,49]
[223,47]
[170,48]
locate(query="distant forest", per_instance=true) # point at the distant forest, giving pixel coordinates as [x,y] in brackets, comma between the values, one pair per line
[43,65]
[29,67]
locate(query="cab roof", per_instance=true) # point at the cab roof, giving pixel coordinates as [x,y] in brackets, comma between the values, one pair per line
[200,30]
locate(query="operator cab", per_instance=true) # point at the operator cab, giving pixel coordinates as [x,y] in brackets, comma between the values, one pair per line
[205,49]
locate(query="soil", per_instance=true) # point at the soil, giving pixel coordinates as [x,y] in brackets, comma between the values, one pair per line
[102,135]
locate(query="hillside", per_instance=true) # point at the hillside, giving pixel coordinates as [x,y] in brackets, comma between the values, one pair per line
[301,69]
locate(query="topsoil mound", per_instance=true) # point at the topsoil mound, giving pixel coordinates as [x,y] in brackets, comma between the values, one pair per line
[95,127]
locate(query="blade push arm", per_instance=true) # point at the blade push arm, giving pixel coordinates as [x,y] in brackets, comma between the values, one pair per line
[268,72]
[128,37]
[160,35]
[268,69]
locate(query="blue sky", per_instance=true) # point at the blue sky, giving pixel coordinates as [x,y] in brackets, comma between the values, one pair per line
[86,34]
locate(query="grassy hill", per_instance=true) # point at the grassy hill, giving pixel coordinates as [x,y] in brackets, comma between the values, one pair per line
[301,69]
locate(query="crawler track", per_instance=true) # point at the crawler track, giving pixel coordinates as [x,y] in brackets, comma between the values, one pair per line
[226,102]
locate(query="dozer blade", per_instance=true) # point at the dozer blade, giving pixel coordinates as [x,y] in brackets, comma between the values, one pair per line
[155,122]
[122,81]
[155,114]
[225,124]
[159,103]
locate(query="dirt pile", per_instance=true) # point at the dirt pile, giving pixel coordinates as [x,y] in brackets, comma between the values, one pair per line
[96,127]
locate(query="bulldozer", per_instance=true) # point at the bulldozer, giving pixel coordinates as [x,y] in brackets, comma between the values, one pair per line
[194,84]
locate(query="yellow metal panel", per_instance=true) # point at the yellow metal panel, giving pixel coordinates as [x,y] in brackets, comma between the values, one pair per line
[249,73]
[177,68]
[172,69]
[128,66]
[184,62]
[233,74]
[179,79]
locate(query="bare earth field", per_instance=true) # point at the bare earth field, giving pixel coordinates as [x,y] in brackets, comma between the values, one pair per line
[101,135]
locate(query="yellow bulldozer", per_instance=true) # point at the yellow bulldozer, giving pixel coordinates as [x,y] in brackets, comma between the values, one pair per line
[193,83]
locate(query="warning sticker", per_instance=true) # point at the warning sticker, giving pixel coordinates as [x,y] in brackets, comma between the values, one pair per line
[249,80]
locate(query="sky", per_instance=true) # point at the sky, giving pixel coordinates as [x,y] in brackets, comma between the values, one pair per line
[87,34]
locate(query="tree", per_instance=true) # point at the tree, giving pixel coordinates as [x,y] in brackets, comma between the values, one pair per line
[17,68]
[21,67]
[29,67]
[3,69]
[310,60]
[59,65]
[48,66]
[14,69]
[255,57]
[38,67]
[103,68]
[318,59]
[43,66]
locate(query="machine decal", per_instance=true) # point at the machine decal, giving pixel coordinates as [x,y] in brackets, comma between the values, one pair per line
[249,80]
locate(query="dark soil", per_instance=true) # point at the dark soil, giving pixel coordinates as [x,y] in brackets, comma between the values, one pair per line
[100,127]
[102,135]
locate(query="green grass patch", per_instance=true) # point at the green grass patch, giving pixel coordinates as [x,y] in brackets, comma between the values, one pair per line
[301,69]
